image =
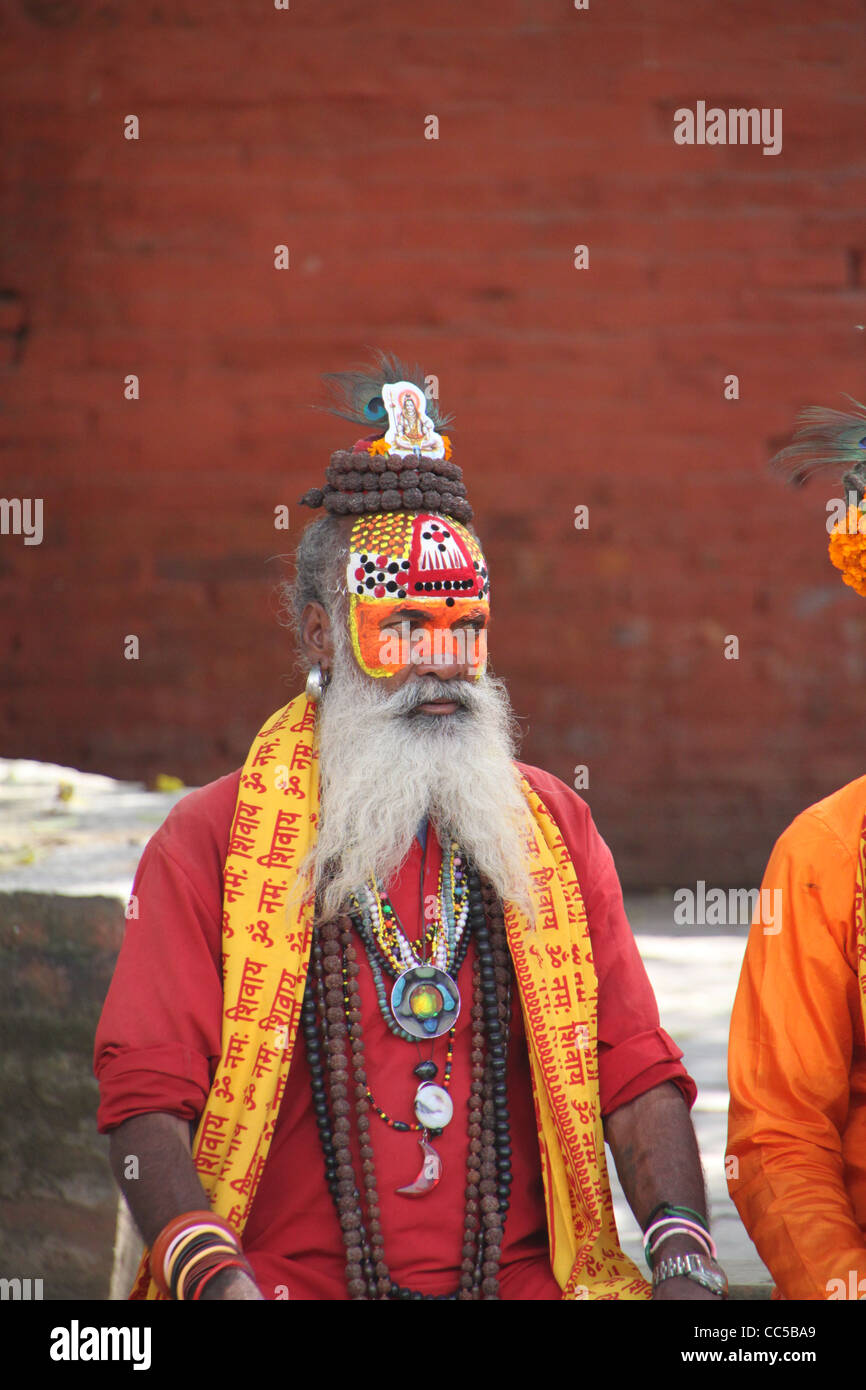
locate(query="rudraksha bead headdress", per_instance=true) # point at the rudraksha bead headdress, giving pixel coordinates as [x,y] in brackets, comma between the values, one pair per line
[405,464]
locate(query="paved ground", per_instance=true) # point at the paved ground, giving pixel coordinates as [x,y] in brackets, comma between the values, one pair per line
[694,971]
[76,833]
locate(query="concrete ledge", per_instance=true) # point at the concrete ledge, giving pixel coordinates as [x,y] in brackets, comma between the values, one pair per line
[58,1200]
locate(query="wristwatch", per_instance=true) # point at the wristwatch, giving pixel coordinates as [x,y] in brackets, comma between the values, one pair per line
[696,1267]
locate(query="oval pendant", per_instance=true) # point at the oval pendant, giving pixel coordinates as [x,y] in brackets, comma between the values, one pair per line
[434,1108]
[425,1001]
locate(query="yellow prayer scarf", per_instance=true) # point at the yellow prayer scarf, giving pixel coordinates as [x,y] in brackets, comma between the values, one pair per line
[266,950]
[860,916]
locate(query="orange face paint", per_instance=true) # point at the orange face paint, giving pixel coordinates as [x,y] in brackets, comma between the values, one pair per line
[450,632]
[429,568]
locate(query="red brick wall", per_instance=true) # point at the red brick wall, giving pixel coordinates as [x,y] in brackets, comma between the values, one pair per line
[602,387]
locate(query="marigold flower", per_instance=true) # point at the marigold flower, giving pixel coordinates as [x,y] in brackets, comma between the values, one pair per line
[848,551]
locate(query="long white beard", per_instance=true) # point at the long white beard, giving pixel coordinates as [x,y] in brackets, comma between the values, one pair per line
[383,770]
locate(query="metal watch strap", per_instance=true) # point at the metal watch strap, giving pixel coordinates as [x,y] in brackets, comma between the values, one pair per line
[695,1267]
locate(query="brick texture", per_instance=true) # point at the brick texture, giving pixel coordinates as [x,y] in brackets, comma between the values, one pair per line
[604,386]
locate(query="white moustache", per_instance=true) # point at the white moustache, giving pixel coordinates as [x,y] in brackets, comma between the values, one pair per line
[384,766]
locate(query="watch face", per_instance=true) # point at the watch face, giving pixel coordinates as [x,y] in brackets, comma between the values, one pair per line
[713,1279]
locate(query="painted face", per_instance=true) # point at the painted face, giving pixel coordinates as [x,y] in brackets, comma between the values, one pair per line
[419,593]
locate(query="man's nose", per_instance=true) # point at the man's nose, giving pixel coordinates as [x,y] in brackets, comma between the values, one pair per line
[444,670]
[445,659]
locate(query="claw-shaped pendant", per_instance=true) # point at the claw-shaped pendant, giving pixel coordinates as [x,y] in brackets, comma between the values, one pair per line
[430,1173]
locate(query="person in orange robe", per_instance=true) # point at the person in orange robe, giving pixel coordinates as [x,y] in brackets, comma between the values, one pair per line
[796,1160]
[797,1062]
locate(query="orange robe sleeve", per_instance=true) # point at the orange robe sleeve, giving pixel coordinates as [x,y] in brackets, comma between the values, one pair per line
[795,1022]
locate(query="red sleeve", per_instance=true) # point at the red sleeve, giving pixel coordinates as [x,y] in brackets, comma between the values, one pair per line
[158,1039]
[634,1052]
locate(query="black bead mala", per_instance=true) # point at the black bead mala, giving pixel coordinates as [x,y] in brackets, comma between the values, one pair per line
[333,1037]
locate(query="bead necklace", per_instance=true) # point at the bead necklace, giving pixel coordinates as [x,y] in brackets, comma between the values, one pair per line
[444,932]
[426,1070]
[426,997]
[329,1030]
[379,964]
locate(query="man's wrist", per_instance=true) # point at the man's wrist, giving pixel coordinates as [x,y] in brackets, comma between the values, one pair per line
[697,1268]
[678,1244]
[230,1283]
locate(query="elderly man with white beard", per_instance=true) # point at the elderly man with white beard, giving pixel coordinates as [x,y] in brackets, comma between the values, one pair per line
[385,934]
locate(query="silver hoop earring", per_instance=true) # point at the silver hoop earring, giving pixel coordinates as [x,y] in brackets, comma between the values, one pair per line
[317,683]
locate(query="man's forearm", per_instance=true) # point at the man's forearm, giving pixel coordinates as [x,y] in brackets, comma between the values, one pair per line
[657,1160]
[163,1183]
[656,1153]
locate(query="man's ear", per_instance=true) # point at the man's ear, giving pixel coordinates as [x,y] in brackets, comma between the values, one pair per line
[316,636]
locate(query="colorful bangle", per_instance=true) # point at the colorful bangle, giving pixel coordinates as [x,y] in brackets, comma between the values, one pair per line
[703,1241]
[668,1226]
[194,1256]
[198,1266]
[174,1245]
[209,1274]
[674,1210]
[185,1246]
[160,1245]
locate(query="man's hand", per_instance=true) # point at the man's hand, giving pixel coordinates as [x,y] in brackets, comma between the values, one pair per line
[231,1284]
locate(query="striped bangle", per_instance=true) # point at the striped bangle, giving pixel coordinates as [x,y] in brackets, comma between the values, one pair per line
[671,1209]
[204,1276]
[197,1240]
[661,1230]
[185,1245]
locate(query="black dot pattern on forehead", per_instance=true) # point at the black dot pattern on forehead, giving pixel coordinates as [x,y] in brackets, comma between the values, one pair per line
[378,569]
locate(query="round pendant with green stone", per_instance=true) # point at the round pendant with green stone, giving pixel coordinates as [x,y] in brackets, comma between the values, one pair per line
[425,1001]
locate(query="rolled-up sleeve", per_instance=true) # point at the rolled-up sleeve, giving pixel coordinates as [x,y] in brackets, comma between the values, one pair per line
[634,1051]
[158,1039]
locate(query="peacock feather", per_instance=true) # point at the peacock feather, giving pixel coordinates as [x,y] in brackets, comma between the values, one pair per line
[357,395]
[826,438]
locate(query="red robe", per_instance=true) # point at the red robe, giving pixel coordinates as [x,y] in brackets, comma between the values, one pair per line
[158,1044]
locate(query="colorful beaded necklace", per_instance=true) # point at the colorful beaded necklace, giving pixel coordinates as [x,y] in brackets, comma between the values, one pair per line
[445,929]
[425,995]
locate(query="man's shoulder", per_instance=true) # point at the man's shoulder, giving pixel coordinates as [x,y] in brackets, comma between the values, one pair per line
[836,819]
[557,795]
[203,815]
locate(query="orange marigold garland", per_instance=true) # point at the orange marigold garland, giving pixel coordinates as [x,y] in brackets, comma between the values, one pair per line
[848,548]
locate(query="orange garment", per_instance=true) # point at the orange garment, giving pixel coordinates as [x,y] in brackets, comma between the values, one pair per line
[797,1063]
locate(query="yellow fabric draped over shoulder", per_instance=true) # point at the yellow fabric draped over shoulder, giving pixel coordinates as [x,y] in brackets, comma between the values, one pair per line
[266,940]
[860,916]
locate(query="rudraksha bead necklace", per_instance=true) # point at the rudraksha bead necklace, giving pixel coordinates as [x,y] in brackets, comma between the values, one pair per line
[333,1035]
